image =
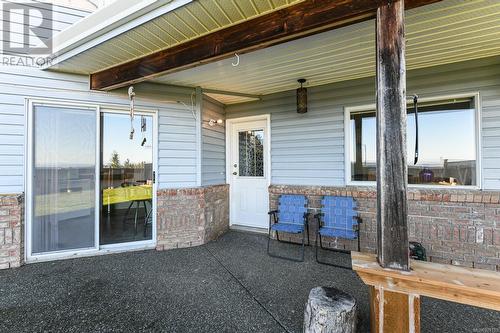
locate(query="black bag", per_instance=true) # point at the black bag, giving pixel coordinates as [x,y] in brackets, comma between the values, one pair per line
[417,251]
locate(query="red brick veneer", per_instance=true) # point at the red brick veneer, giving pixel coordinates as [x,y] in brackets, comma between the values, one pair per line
[192,216]
[11,230]
[460,227]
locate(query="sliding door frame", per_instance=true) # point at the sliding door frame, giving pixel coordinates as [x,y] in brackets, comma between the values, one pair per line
[144,244]
[97,249]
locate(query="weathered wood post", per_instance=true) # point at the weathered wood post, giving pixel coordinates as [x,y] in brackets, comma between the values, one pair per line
[392,174]
[392,311]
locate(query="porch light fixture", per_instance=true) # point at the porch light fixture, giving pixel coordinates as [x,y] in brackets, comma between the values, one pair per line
[302,97]
[213,122]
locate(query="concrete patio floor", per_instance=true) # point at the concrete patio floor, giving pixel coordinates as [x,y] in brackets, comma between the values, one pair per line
[229,285]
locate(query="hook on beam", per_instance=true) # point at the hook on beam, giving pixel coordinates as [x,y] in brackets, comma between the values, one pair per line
[237,60]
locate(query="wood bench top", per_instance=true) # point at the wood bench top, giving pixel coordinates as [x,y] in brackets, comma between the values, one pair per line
[464,285]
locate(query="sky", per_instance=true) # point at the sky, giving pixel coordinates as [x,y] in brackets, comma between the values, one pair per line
[441,136]
[116,131]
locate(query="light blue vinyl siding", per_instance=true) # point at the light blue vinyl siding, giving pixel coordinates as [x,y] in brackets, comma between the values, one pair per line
[306,149]
[176,128]
[176,124]
[214,144]
[309,149]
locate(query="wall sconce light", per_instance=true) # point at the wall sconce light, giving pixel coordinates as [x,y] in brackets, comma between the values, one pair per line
[302,97]
[213,122]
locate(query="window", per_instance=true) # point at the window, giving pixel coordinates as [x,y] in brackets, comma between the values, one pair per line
[447,144]
[251,152]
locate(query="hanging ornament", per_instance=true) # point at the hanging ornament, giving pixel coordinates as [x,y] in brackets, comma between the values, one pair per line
[131,95]
[143,130]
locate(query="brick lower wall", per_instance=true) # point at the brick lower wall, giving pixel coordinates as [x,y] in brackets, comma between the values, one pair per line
[186,217]
[216,211]
[191,217]
[11,230]
[459,227]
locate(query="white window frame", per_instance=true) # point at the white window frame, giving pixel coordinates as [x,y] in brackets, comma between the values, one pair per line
[370,107]
[97,249]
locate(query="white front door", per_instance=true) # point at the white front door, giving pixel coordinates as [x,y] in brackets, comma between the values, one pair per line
[249,175]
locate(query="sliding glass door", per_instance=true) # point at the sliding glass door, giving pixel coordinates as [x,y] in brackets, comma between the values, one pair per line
[126,178]
[64,179]
[90,183]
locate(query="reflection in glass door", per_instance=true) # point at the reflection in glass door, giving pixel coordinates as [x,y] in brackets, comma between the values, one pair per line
[126,178]
[63,179]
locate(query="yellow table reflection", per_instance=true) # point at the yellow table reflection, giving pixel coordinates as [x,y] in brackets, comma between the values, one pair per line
[112,196]
[133,195]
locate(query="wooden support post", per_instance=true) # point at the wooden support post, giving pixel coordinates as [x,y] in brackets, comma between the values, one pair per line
[392,173]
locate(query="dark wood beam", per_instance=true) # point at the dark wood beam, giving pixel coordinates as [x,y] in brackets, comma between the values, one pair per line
[392,173]
[296,21]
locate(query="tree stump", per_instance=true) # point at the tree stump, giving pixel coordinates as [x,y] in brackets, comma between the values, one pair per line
[330,310]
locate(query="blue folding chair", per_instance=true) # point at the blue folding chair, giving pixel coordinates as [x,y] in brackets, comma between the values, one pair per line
[290,217]
[338,218]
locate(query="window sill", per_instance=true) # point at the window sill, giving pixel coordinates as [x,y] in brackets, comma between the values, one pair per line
[419,186]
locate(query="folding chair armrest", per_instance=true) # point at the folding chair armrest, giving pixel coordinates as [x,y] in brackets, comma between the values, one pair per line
[318,218]
[356,227]
[273,217]
[306,218]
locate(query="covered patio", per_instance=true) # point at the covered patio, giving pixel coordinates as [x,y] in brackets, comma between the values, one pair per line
[225,132]
[229,285]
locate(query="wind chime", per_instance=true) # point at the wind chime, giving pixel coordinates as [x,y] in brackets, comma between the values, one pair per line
[143,130]
[131,95]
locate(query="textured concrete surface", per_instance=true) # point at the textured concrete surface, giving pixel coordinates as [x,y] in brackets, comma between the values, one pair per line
[229,285]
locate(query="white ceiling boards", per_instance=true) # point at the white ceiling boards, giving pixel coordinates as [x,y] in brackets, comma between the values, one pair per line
[444,32]
[440,33]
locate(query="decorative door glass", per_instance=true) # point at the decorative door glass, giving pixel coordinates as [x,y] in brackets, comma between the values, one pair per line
[251,153]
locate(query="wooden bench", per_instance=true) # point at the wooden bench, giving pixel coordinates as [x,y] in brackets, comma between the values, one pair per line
[395,295]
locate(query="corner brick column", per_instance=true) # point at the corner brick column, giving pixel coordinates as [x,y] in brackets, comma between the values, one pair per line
[192,216]
[11,230]
[458,227]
